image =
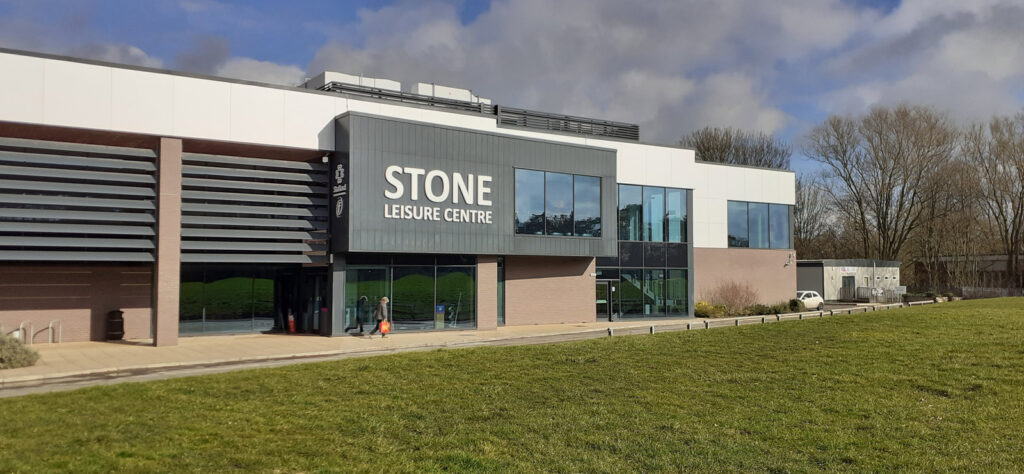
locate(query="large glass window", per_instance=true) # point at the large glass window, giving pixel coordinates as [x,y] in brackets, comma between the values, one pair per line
[675,215]
[412,305]
[738,224]
[587,205]
[779,216]
[529,202]
[675,293]
[456,296]
[654,214]
[759,225]
[364,287]
[630,212]
[757,217]
[654,292]
[631,293]
[558,203]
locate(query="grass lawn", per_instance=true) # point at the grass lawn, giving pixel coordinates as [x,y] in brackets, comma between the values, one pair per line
[927,388]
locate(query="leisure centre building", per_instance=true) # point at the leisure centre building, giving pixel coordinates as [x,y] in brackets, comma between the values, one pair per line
[200,205]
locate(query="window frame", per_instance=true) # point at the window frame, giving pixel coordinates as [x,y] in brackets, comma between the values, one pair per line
[544,200]
[789,225]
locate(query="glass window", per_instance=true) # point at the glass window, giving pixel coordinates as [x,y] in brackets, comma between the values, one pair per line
[263,302]
[529,202]
[191,303]
[631,254]
[587,206]
[758,225]
[654,292]
[654,254]
[779,217]
[630,216]
[631,294]
[738,224]
[654,214]
[364,288]
[228,295]
[675,293]
[558,203]
[412,307]
[456,297]
[675,218]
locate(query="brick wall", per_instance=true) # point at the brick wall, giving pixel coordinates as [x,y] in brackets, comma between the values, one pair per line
[763,269]
[79,296]
[549,290]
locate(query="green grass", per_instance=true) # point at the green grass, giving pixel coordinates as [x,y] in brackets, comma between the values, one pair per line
[929,388]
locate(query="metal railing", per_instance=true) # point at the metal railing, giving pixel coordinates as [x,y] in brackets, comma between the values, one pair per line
[505,116]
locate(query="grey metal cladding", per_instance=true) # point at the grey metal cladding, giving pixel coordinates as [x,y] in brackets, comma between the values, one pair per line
[253,210]
[75,202]
[374,143]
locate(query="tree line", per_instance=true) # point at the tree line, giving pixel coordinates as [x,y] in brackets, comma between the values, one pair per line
[901,183]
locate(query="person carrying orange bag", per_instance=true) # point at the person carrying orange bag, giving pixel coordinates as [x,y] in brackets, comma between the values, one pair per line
[380,313]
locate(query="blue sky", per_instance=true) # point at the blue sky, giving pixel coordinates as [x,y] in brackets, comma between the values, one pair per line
[671,66]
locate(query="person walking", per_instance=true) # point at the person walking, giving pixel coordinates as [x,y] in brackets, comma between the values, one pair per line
[380,313]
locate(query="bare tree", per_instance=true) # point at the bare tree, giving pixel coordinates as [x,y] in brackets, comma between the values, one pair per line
[811,217]
[880,171]
[997,151]
[729,145]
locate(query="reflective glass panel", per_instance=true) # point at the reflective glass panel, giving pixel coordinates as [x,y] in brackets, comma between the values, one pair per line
[758,225]
[364,287]
[738,224]
[630,216]
[229,300]
[456,298]
[191,302]
[587,205]
[263,302]
[412,307]
[558,203]
[779,226]
[654,292]
[529,202]
[654,214]
[675,293]
[631,294]
[675,214]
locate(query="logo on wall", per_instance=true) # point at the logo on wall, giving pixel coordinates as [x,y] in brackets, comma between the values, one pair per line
[339,190]
[437,186]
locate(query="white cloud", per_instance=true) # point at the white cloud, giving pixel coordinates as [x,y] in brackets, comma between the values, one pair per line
[261,71]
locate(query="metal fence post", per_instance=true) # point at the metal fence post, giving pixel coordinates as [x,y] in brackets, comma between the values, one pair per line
[610,332]
[707,324]
[652,329]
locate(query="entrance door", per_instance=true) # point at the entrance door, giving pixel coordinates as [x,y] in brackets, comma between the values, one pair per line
[364,287]
[849,287]
[605,300]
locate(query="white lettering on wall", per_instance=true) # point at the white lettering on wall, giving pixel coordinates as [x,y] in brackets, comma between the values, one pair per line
[428,186]
[437,187]
[463,187]
[389,175]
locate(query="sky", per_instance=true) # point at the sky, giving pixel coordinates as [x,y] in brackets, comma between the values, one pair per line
[671,66]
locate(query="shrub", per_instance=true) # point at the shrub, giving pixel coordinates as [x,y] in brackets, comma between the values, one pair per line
[14,354]
[796,306]
[781,307]
[736,297]
[703,309]
[948,295]
[757,309]
[930,294]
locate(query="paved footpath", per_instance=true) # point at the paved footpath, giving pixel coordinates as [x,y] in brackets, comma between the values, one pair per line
[79,364]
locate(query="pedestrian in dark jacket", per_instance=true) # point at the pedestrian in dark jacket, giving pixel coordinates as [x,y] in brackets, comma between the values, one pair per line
[380,313]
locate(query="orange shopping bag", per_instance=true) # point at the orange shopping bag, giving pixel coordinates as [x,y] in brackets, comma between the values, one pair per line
[385,327]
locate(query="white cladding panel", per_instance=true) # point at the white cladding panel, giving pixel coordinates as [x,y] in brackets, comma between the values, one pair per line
[134,103]
[76,95]
[21,94]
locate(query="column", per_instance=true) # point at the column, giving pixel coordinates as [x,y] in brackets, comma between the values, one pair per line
[167,274]
[486,292]
[333,324]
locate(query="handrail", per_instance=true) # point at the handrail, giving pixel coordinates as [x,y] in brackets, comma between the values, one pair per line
[60,331]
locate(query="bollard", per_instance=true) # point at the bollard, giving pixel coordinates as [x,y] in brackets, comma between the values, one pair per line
[821,314]
[707,325]
[737,321]
[762,319]
[831,312]
[778,318]
[610,332]
[652,329]
[800,316]
[687,326]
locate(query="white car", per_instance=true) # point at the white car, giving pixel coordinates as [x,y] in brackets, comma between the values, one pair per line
[811,299]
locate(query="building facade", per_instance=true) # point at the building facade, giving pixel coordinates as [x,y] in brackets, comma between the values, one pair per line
[849,279]
[202,205]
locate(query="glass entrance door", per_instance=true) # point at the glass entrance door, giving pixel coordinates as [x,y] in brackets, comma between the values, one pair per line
[364,287]
[604,300]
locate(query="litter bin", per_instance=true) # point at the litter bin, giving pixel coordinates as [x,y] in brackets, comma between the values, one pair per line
[115,325]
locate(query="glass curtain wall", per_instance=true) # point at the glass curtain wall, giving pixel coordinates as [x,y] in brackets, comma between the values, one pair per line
[651,268]
[557,204]
[779,217]
[587,205]
[759,225]
[757,215]
[558,194]
[424,295]
[529,202]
